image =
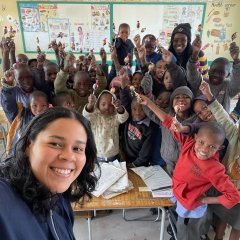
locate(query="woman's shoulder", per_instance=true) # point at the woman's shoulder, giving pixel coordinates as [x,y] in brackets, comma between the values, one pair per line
[6,190]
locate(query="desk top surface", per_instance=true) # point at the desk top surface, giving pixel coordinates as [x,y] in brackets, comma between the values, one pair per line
[131,199]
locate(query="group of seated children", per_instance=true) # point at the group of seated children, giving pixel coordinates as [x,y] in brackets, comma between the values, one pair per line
[163,113]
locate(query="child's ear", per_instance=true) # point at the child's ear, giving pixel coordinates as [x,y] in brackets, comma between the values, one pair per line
[221,147]
[195,136]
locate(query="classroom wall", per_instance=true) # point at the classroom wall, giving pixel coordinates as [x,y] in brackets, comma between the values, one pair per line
[220,22]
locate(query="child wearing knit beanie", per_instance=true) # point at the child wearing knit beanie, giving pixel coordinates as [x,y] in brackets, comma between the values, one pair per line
[180,46]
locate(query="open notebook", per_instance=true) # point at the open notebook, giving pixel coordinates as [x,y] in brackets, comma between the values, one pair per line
[156,179]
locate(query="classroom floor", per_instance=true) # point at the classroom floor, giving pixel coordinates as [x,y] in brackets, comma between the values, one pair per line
[112,226]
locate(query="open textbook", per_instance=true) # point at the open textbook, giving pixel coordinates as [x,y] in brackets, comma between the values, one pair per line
[156,179]
[113,180]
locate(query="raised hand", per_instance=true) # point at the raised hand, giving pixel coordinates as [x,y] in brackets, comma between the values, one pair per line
[142,99]
[123,75]
[142,54]
[205,89]
[196,46]
[69,62]
[113,51]
[12,46]
[166,55]
[9,78]
[176,126]
[147,83]
[234,51]
[92,100]
[137,41]
[5,45]
[41,58]
[103,55]
[54,46]
[118,105]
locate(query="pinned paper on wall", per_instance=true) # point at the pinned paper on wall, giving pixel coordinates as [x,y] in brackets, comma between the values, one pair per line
[82,25]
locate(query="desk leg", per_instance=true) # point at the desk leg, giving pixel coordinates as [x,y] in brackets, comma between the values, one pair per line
[89,229]
[162,223]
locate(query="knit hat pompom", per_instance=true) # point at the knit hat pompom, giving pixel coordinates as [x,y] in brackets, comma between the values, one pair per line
[184,28]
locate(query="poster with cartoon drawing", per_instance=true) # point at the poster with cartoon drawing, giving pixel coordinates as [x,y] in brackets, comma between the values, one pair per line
[220,29]
[164,16]
[81,27]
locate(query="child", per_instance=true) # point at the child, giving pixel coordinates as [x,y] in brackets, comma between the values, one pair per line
[23,115]
[105,115]
[137,137]
[198,168]
[45,75]
[166,74]
[232,165]
[82,85]
[149,42]
[124,48]
[180,46]
[221,87]
[136,81]
[63,100]
[32,63]
[180,107]
[17,83]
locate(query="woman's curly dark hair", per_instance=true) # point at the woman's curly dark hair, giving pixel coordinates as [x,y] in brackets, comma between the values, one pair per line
[17,170]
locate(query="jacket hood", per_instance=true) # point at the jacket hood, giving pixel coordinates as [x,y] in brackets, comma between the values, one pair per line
[103,92]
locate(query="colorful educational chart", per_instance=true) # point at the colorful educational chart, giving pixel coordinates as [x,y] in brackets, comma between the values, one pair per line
[167,16]
[81,27]
[220,28]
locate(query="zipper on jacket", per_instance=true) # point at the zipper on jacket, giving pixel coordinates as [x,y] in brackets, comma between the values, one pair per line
[53,225]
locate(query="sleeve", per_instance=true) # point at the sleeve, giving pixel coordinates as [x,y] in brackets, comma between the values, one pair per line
[151,115]
[203,63]
[8,102]
[180,137]
[174,59]
[194,77]
[230,195]
[144,155]
[223,118]
[234,83]
[39,79]
[91,116]
[60,82]
[126,98]
[104,69]
[122,117]
[235,114]
[102,84]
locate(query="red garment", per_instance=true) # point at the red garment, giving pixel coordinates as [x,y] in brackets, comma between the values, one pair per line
[193,177]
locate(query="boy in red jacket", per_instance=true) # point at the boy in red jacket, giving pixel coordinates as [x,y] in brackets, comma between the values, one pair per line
[197,169]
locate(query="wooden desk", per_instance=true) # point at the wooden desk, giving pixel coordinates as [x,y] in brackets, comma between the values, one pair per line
[131,199]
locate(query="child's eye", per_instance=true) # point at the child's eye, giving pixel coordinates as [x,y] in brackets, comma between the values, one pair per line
[212,147]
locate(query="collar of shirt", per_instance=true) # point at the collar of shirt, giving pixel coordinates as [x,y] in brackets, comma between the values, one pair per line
[145,121]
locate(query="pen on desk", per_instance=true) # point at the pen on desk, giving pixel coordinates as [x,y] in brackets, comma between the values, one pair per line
[162,188]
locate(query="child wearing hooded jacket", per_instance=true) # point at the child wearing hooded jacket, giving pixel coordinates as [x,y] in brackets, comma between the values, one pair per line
[105,114]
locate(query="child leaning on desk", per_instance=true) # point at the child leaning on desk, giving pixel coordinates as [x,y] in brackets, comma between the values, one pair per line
[197,169]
